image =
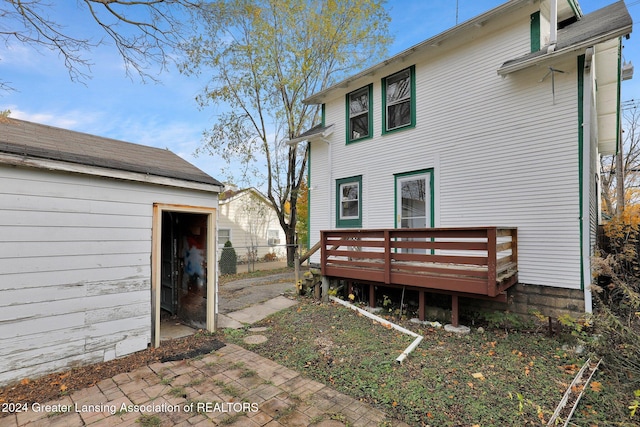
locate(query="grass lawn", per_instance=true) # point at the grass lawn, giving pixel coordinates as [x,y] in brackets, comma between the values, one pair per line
[494,378]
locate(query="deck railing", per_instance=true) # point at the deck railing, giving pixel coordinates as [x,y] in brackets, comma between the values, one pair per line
[475,261]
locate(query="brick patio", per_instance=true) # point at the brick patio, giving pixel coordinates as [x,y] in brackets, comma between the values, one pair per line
[231,386]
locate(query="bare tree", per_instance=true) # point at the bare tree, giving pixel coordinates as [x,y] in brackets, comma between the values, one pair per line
[617,192]
[264,58]
[144,32]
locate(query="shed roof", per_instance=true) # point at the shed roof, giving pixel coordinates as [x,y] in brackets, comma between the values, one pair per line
[36,141]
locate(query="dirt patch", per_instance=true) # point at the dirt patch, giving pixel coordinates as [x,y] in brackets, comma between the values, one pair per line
[54,386]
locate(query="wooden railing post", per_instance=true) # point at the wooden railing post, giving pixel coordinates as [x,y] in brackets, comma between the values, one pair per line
[387,257]
[514,245]
[492,244]
[323,252]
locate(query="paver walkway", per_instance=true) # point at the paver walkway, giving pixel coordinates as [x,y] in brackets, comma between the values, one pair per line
[231,386]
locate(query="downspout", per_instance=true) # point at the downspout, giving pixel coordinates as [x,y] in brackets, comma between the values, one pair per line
[585,94]
[553,26]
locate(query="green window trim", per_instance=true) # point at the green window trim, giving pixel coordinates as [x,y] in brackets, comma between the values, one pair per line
[412,101]
[351,138]
[535,31]
[344,186]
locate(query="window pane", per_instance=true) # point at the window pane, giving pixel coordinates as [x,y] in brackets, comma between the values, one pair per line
[360,126]
[359,102]
[350,209]
[223,236]
[359,114]
[349,201]
[398,87]
[413,198]
[399,115]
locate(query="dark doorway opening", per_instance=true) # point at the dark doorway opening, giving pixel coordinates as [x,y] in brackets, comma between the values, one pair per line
[183,286]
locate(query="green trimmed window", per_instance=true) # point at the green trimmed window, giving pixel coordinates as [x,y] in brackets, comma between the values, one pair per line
[399,100]
[359,114]
[349,202]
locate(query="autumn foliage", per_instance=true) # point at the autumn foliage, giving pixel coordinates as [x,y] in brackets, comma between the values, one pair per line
[617,295]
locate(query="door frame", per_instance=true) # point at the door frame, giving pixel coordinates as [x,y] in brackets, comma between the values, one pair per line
[156,264]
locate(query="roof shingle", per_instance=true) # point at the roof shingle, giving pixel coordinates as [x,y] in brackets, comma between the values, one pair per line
[34,140]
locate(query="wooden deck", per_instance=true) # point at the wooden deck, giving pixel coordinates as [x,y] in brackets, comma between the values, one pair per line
[479,262]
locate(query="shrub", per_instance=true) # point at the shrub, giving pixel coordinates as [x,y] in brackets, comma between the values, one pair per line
[228,259]
[617,297]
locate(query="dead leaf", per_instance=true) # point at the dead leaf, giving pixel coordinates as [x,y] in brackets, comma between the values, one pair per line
[470,384]
[25,381]
[596,386]
[63,387]
[478,376]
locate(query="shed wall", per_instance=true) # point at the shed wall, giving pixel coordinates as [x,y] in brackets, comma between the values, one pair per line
[75,257]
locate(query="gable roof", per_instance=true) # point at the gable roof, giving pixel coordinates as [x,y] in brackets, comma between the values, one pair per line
[33,141]
[234,194]
[605,24]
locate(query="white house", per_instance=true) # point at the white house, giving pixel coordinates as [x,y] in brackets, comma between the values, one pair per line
[247,219]
[97,238]
[496,122]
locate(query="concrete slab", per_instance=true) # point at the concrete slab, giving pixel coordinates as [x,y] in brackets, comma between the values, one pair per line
[170,329]
[460,329]
[225,322]
[258,312]
[255,339]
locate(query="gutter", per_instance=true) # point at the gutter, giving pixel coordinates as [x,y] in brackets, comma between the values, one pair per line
[385,323]
[540,59]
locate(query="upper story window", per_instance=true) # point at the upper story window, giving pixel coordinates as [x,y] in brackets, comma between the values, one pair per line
[359,114]
[399,100]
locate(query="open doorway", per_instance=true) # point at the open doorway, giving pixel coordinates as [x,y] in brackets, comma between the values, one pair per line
[184,266]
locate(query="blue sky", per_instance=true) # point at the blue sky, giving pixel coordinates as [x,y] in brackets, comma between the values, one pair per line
[166,115]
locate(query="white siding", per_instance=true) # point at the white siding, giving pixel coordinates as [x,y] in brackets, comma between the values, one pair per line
[75,266]
[250,219]
[503,153]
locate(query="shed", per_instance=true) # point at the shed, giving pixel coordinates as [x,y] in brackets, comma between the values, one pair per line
[99,238]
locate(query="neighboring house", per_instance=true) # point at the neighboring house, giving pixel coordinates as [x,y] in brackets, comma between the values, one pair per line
[247,219]
[97,238]
[496,122]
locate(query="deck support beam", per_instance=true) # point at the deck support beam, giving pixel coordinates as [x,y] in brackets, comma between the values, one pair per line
[372,296]
[454,310]
[421,305]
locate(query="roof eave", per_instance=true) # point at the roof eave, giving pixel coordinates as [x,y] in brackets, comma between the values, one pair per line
[541,59]
[437,40]
[322,134]
[62,166]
